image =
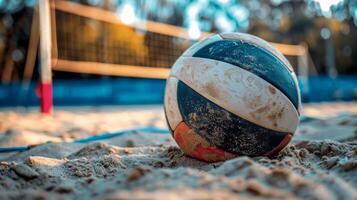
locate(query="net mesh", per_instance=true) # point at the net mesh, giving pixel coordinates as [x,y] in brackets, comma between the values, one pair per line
[101,39]
[84,39]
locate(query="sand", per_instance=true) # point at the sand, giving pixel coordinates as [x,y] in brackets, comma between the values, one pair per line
[320,163]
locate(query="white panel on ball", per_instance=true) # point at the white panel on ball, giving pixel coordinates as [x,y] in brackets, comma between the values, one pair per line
[238,91]
[170,102]
[298,91]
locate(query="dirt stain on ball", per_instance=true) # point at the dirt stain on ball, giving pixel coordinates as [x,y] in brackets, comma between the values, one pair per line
[276,116]
[272,90]
[212,90]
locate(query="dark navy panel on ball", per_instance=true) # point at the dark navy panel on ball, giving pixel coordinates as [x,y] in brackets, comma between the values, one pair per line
[255,60]
[222,128]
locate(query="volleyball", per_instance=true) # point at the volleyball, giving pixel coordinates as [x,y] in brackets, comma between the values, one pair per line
[232,94]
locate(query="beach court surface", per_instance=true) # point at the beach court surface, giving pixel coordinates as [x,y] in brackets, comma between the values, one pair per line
[320,163]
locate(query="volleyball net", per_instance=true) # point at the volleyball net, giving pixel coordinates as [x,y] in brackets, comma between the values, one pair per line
[95,41]
[91,40]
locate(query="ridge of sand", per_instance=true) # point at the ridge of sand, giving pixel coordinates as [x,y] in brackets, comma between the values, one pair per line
[317,169]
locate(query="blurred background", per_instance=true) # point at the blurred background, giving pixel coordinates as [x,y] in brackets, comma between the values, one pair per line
[118,52]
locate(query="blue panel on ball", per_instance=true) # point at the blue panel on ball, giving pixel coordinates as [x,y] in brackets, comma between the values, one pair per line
[222,128]
[255,60]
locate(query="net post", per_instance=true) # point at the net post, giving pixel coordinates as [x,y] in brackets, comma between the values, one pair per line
[45,86]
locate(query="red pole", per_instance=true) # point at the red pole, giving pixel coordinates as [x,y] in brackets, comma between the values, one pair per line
[45,90]
[45,87]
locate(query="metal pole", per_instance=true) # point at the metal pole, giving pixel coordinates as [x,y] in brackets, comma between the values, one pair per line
[45,87]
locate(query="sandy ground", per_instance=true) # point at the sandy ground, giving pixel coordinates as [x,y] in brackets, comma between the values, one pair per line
[321,162]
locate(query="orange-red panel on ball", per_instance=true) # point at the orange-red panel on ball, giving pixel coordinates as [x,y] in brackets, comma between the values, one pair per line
[196,146]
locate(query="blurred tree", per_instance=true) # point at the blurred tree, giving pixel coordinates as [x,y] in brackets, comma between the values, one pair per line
[314,22]
[15,26]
